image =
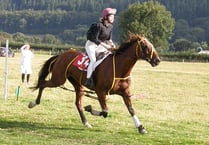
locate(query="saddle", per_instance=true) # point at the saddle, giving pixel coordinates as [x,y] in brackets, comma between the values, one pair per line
[82,61]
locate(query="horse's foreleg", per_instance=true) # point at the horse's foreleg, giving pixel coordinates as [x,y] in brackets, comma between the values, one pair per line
[137,123]
[103,104]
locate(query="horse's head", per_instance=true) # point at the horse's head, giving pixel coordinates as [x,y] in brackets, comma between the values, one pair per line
[142,48]
[145,50]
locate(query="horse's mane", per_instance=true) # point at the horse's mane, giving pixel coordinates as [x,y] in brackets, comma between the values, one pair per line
[132,38]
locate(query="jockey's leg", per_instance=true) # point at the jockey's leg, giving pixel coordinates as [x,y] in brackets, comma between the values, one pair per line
[90,69]
[90,49]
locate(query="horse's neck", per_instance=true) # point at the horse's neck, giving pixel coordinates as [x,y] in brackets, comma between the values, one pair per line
[124,63]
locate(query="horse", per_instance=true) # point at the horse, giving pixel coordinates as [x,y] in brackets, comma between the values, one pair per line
[116,68]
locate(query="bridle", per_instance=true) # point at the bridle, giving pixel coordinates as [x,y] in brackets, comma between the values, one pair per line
[148,58]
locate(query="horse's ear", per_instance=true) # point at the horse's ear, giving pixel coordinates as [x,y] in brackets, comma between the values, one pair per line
[131,35]
[142,35]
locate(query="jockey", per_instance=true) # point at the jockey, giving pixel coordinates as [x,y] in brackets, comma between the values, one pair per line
[100,37]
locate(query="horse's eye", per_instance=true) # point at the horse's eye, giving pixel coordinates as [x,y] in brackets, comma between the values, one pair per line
[143,45]
[144,48]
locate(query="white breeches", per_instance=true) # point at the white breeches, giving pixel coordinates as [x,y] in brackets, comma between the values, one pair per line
[92,49]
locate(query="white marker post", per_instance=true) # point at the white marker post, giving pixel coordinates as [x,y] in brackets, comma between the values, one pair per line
[6,71]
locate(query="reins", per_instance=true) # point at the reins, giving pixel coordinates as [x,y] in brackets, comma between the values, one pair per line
[85,91]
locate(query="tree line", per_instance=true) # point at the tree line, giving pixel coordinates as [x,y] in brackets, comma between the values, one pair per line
[67,21]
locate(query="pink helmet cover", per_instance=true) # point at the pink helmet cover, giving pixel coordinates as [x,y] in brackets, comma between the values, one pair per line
[108,11]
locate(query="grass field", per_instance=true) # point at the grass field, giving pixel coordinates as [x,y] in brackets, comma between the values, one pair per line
[173,106]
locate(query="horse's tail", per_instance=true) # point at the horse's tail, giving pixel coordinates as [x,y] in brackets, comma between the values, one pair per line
[45,70]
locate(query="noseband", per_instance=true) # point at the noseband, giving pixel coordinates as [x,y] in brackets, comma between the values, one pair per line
[141,50]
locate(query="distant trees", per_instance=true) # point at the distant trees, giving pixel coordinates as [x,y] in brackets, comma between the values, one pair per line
[22,38]
[68,20]
[185,31]
[68,27]
[182,45]
[149,18]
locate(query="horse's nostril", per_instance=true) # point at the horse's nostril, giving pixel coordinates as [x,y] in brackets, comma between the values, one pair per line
[159,60]
[155,62]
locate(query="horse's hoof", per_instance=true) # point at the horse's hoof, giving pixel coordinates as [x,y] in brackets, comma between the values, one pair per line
[31,105]
[87,125]
[142,130]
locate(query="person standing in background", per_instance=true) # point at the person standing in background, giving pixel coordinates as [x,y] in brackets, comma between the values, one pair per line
[26,61]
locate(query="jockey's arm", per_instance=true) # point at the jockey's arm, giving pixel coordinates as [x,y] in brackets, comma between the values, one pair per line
[112,44]
[105,45]
[108,44]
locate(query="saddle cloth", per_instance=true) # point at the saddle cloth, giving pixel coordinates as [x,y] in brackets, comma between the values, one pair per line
[82,61]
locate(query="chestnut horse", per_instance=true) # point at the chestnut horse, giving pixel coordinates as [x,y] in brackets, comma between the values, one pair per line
[112,76]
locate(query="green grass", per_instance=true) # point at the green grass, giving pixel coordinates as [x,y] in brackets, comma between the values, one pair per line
[173,107]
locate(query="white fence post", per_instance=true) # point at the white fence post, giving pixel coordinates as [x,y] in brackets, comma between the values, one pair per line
[6,70]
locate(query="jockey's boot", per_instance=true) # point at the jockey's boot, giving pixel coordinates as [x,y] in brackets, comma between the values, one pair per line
[89,83]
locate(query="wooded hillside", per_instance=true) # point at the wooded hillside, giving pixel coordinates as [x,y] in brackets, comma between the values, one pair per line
[68,20]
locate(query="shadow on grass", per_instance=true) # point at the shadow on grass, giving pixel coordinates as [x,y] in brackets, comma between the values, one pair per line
[10,124]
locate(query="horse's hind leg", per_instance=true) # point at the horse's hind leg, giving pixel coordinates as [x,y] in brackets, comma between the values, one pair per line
[37,101]
[44,84]
[78,102]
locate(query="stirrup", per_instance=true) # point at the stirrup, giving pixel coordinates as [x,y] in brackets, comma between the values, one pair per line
[89,83]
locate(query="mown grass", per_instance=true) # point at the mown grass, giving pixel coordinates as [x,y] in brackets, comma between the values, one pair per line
[172,104]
